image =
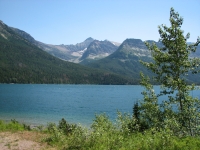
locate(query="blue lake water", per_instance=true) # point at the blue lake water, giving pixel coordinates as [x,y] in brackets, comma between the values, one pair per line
[43,103]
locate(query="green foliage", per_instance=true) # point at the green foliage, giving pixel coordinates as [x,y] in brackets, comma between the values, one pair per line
[65,135]
[105,134]
[56,137]
[65,127]
[139,121]
[13,125]
[180,112]
[26,127]
[102,124]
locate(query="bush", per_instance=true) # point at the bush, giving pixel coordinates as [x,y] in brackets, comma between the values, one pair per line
[105,134]
[13,125]
[65,127]
[2,126]
[56,137]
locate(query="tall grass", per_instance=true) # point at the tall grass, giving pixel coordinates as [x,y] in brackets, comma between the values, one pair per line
[13,125]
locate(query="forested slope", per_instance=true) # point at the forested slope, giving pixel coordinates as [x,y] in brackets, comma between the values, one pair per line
[23,62]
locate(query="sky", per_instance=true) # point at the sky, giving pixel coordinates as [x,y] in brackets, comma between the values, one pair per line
[72,21]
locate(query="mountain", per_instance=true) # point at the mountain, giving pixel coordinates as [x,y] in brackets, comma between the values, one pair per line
[85,51]
[18,45]
[66,52]
[98,49]
[70,52]
[21,61]
[126,60]
[80,46]
[25,35]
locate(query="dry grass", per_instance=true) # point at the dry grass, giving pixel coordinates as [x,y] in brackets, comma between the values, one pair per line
[23,140]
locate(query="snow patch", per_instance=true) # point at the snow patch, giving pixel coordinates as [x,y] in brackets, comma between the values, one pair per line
[76,54]
[98,56]
[79,53]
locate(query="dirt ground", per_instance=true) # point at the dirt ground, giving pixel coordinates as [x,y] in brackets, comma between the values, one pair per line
[23,140]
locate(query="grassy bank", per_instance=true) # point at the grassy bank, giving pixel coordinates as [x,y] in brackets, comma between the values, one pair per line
[103,134]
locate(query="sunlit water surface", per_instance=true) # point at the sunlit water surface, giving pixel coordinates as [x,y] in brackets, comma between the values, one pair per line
[40,104]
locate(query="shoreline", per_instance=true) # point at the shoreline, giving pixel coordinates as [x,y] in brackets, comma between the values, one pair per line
[38,126]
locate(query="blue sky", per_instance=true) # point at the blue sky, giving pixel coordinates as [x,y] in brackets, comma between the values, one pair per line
[72,21]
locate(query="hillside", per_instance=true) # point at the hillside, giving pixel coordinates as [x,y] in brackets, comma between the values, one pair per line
[126,60]
[83,52]
[23,62]
[66,52]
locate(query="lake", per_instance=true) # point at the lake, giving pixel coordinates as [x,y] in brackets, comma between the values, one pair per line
[40,104]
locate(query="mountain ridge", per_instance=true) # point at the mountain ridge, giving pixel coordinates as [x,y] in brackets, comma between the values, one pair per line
[71,52]
[23,62]
[124,60]
[98,49]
